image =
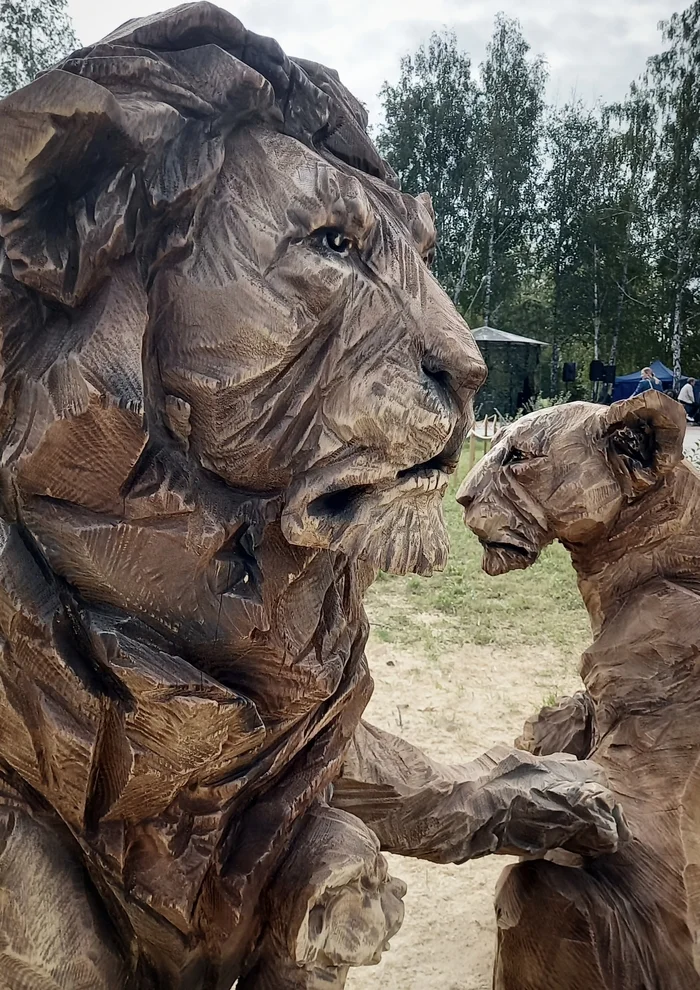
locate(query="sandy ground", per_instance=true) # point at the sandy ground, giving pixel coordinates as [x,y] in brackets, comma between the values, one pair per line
[455,709]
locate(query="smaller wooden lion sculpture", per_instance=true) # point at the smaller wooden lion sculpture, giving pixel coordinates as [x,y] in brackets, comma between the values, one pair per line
[611,485]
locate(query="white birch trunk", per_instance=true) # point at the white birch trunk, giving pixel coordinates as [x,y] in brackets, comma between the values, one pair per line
[596,319]
[489,274]
[676,338]
[465,261]
[554,376]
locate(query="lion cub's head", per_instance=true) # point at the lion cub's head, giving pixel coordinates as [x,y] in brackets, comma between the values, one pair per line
[566,472]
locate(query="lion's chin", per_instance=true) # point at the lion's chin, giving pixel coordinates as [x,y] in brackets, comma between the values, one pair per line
[499,558]
[395,530]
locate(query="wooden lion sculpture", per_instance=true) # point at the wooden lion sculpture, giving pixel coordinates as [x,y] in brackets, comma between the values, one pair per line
[231,391]
[611,485]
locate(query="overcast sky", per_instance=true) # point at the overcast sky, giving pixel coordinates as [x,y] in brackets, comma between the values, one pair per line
[594,48]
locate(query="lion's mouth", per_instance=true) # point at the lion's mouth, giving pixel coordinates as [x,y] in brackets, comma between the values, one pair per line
[501,556]
[340,502]
[393,520]
[427,478]
[431,476]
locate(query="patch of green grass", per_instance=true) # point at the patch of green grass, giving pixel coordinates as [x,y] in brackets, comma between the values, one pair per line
[383,634]
[551,700]
[539,606]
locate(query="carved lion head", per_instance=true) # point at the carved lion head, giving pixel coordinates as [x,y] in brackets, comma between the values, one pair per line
[202,254]
[566,473]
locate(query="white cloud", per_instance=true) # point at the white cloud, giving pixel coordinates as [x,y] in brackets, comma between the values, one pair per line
[593,47]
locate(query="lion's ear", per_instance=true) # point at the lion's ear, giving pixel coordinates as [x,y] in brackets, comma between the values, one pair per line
[426,202]
[66,182]
[82,169]
[645,436]
[55,130]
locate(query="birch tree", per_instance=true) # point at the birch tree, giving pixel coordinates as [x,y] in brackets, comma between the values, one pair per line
[513,85]
[631,150]
[432,137]
[675,77]
[34,35]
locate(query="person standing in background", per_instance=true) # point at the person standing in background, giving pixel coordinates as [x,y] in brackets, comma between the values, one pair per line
[648,380]
[686,397]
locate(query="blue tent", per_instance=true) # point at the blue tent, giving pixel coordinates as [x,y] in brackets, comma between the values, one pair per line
[626,384]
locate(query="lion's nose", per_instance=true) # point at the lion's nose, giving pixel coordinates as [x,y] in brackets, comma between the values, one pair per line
[469,488]
[451,358]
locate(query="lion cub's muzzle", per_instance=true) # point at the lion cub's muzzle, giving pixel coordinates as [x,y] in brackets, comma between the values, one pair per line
[509,540]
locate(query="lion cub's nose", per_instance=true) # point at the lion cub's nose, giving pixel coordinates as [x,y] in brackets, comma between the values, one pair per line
[464,496]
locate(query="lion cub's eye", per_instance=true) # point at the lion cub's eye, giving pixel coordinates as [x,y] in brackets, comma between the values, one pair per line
[429,257]
[635,445]
[338,242]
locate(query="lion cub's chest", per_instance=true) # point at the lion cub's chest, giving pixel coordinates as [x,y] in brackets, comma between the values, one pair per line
[643,673]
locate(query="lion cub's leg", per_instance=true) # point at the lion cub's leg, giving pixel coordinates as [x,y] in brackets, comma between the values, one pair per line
[53,932]
[605,927]
[333,906]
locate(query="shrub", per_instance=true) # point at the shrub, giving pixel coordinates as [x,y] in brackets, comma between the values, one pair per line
[540,401]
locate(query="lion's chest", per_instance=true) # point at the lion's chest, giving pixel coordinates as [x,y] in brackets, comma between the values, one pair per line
[313,629]
[150,741]
[232,597]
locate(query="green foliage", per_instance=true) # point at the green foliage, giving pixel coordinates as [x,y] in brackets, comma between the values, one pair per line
[513,86]
[540,401]
[34,35]
[473,145]
[544,402]
[674,80]
[693,455]
[434,120]
[571,201]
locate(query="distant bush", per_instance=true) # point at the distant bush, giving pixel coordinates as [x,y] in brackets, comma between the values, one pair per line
[540,401]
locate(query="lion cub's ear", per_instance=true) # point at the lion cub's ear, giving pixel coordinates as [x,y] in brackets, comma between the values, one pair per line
[645,436]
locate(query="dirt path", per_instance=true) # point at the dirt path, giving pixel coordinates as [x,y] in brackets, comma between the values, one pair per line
[455,708]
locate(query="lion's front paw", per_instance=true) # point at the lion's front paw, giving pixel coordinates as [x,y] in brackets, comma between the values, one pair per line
[569,806]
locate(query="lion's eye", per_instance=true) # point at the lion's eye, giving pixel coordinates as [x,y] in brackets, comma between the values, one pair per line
[515,456]
[429,257]
[338,242]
